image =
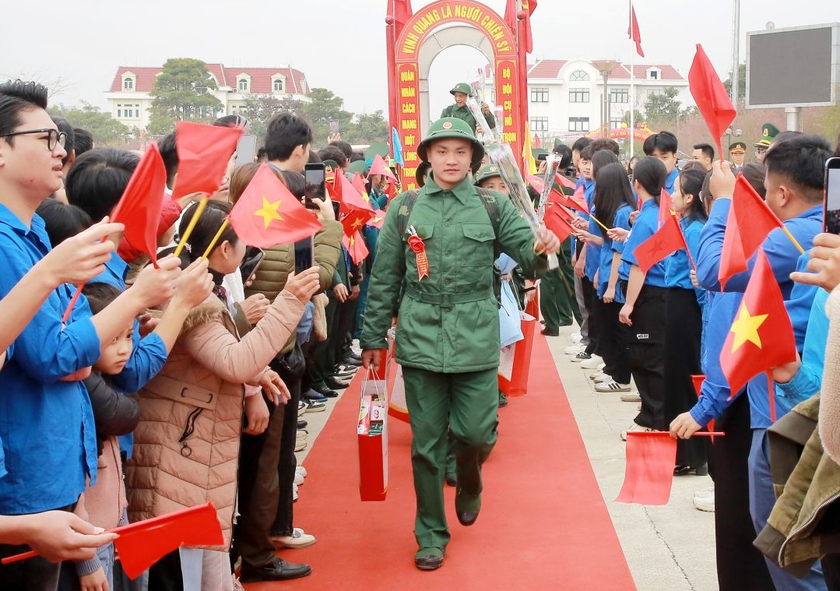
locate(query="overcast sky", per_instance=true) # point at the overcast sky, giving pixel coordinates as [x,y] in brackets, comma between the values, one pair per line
[340,44]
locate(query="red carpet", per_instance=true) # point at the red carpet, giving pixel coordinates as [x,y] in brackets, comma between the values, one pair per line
[543,523]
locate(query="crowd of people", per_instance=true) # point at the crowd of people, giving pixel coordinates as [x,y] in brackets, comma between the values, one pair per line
[189,380]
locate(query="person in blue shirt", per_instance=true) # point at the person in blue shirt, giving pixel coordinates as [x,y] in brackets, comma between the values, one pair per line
[46,423]
[614,201]
[644,307]
[794,183]
[663,145]
[684,319]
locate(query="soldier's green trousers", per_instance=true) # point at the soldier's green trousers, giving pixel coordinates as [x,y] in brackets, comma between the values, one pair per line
[557,296]
[468,405]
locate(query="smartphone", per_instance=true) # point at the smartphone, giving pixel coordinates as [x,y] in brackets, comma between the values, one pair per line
[542,157]
[246,150]
[253,257]
[333,126]
[316,184]
[831,203]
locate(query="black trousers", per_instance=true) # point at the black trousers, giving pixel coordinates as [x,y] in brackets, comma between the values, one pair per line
[740,566]
[684,328]
[345,322]
[646,350]
[286,466]
[590,298]
[613,342]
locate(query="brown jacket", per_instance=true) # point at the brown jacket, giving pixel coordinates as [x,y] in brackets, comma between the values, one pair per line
[186,447]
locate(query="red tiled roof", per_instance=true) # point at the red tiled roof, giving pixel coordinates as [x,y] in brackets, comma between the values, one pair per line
[546,69]
[551,69]
[225,76]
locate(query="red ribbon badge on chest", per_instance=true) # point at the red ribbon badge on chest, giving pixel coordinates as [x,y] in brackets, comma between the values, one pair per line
[416,244]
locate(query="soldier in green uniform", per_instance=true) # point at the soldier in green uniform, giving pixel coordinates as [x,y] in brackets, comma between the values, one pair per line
[768,134]
[462,92]
[434,271]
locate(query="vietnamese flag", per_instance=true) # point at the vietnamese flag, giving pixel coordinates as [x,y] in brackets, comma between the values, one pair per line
[710,96]
[578,200]
[666,240]
[528,6]
[558,224]
[356,247]
[750,221]
[761,336]
[354,211]
[666,207]
[651,459]
[358,183]
[377,220]
[379,167]
[400,11]
[633,31]
[141,204]
[267,214]
[203,155]
[563,181]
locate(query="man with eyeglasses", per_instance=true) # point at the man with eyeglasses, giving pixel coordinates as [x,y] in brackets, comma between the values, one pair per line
[46,421]
[768,134]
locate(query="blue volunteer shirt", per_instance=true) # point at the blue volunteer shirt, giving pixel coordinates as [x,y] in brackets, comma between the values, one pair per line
[46,425]
[644,227]
[148,356]
[621,219]
[593,251]
[671,181]
[678,265]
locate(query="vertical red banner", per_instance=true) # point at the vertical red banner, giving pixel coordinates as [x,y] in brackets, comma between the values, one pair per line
[507,95]
[408,99]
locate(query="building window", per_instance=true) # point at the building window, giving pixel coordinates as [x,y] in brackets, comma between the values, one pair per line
[616,123]
[619,95]
[128,113]
[137,111]
[539,124]
[119,111]
[653,74]
[243,84]
[539,95]
[128,84]
[578,95]
[579,76]
[578,123]
[278,86]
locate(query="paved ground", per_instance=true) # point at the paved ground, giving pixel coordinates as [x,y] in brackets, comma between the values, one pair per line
[668,548]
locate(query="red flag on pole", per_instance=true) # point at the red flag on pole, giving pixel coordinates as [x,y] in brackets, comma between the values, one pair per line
[511,11]
[354,211]
[267,214]
[666,207]
[750,221]
[633,31]
[356,247]
[651,459]
[203,155]
[557,223]
[710,95]
[578,200]
[666,240]
[140,206]
[377,220]
[400,11]
[761,336]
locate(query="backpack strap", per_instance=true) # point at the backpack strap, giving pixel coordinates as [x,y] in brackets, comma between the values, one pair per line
[404,212]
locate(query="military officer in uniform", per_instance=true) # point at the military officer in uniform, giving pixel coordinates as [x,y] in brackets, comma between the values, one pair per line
[434,272]
[462,92]
[738,154]
[768,134]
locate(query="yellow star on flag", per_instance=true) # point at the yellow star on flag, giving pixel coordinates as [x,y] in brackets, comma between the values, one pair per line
[269,212]
[358,223]
[745,328]
[376,220]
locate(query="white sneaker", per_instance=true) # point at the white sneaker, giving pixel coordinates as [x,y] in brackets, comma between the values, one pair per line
[705,492]
[612,386]
[594,362]
[630,396]
[294,491]
[705,502]
[298,479]
[298,539]
[597,376]
[604,377]
[635,428]
[576,337]
[302,471]
[573,349]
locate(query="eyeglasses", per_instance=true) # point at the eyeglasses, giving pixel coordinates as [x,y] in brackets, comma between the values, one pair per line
[54,137]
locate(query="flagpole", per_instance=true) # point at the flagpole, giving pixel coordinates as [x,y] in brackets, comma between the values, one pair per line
[213,242]
[632,92]
[193,221]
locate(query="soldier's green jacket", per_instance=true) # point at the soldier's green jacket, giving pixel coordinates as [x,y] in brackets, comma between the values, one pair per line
[449,321]
[464,114]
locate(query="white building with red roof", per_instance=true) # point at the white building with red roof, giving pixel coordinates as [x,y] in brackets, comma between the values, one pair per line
[130,100]
[567,96]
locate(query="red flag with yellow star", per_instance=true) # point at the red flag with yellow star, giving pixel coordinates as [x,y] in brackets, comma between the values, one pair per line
[666,240]
[377,220]
[666,207]
[354,212]
[761,336]
[267,214]
[356,247]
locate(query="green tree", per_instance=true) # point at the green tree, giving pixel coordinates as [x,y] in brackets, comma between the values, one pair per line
[663,107]
[324,107]
[742,82]
[260,108]
[182,92]
[638,117]
[105,129]
[367,129]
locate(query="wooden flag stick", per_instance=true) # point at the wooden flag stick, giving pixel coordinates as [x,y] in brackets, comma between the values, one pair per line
[188,232]
[213,242]
[792,239]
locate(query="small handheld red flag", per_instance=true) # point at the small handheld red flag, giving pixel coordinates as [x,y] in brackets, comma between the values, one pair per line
[633,31]
[578,200]
[203,155]
[749,222]
[140,206]
[377,220]
[761,336]
[666,207]
[356,247]
[651,459]
[710,96]
[668,239]
[379,167]
[267,214]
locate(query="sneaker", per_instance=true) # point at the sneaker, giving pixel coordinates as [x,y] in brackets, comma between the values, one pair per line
[603,377]
[631,397]
[315,406]
[612,386]
[301,406]
[298,539]
[635,428]
[573,349]
[299,480]
[594,362]
[582,356]
[705,503]
[313,394]
[705,492]
[294,491]
[576,337]
[598,375]
[301,444]
[302,471]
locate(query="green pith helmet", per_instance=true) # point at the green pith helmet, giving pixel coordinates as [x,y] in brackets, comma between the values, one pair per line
[462,87]
[358,166]
[377,148]
[487,172]
[768,134]
[738,148]
[452,127]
